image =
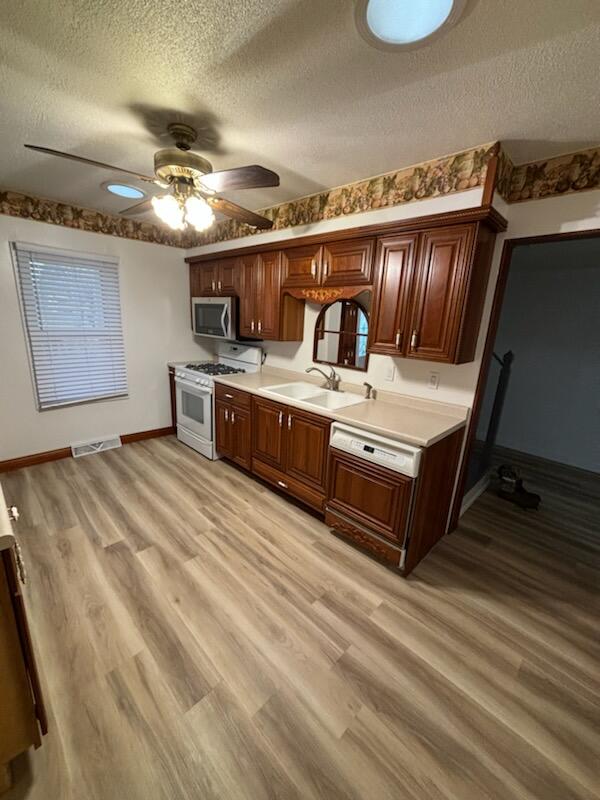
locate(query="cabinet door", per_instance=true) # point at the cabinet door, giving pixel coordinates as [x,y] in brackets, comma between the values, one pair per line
[268,440]
[306,448]
[241,439]
[388,329]
[439,293]
[268,301]
[302,266]
[249,279]
[223,434]
[348,263]
[371,495]
[203,279]
[227,283]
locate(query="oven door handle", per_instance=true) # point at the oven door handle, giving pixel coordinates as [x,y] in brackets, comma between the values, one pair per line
[193,387]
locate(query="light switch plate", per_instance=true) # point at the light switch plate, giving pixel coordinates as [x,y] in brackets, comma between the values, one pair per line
[434,380]
[390,372]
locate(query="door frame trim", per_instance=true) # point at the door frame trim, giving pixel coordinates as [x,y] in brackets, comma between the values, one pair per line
[499,291]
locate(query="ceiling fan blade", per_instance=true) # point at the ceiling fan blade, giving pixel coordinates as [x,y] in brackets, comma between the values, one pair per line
[138,208]
[91,162]
[251,177]
[237,212]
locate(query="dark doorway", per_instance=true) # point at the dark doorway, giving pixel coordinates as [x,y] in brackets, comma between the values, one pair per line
[538,398]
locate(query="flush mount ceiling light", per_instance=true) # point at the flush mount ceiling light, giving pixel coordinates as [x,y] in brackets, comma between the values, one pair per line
[124,190]
[405,24]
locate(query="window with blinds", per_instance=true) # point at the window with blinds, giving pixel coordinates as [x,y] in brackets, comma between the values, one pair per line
[71,309]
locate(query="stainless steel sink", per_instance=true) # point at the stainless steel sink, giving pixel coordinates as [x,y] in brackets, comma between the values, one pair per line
[311,395]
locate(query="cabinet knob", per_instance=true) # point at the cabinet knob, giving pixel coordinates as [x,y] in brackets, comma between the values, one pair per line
[212,285]
[280,419]
[233,417]
[414,340]
[226,413]
[219,285]
[228,396]
[259,325]
[252,326]
[289,422]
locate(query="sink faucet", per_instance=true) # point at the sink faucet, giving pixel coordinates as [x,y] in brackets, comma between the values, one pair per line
[332,381]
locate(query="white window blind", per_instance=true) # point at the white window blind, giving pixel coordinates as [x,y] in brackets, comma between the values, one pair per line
[72,315]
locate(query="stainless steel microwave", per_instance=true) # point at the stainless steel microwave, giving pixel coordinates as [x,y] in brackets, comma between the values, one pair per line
[214,317]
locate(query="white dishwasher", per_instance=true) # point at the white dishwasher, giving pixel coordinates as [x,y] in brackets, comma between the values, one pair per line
[372,484]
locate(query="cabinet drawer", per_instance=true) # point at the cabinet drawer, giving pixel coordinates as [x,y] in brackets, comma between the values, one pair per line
[234,397]
[377,547]
[296,488]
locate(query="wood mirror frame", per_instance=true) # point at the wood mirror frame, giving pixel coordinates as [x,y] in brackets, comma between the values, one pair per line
[348,336]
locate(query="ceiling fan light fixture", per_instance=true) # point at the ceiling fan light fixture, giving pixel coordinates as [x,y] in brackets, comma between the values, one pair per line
[198,213]
[169,211]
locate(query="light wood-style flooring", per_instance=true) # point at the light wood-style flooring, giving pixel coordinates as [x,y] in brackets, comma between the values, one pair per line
[200,637]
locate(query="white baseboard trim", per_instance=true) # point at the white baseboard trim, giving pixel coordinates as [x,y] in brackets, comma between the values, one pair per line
[475,492]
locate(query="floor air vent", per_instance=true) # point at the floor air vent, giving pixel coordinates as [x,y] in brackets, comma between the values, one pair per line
[87,448]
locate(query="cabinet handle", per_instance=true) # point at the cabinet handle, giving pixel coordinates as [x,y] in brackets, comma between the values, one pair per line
[326,269]
[213,285]
[228,396]
[226,413]
[233,417]
[398,338]
[313,268]
[280,419]
[252,326]
[259,325]
[289,422]
[282,484]
[219,285]
[414,340]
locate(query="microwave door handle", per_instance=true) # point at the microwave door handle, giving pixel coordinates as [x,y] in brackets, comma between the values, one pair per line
[223,315]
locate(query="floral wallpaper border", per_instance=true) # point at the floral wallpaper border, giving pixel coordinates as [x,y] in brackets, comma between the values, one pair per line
[550,177]
[441,176]
[16,204]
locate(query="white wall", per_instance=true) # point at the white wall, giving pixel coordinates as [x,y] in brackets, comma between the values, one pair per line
[550,320]
[156,329]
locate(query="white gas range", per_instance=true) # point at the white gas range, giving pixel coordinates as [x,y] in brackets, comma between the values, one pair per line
[194,387]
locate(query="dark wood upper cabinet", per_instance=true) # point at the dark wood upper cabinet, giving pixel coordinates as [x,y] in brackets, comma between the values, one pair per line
[249,282]
[203,279]
[227,277]
[302,266]
[348,263]
[306,448]
[395,260]
[268,305]
[268,439]
[440,285]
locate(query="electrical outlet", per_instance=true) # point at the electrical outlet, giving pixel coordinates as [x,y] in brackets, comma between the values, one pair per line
[390,372]
[434,380]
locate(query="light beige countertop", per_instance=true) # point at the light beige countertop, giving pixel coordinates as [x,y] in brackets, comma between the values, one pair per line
[407,419]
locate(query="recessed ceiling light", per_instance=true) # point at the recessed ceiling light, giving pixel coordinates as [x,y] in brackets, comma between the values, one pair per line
[123,190]
[405,24]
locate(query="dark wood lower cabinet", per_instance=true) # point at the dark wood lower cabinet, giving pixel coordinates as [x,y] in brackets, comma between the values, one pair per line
[393,517]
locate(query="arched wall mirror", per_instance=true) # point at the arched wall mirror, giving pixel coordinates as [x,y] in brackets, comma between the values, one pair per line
[341,334]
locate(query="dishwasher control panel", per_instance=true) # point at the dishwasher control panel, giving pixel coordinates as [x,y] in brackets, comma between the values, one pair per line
[386,452]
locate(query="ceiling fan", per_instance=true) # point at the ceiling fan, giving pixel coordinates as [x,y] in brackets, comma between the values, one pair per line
[193,187]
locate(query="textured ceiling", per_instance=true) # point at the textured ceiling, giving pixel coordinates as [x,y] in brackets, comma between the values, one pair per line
[285,83]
